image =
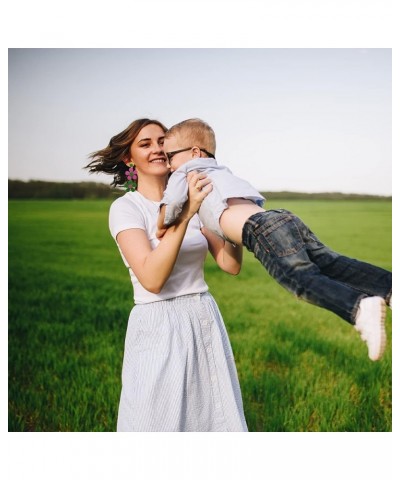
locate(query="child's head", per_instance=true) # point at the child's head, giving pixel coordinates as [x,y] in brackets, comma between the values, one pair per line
[190,139]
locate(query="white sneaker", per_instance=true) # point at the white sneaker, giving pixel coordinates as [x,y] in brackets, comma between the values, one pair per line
[370,322]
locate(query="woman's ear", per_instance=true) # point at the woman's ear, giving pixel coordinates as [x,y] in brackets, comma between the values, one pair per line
[127,160]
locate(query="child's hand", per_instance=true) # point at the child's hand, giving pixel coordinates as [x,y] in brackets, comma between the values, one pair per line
[160,232]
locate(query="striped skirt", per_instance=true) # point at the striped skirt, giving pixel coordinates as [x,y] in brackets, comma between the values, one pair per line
[178,372]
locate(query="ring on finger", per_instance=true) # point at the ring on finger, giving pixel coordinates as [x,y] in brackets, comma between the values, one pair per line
[198,187]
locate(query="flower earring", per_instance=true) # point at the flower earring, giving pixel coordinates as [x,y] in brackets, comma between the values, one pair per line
[131,178]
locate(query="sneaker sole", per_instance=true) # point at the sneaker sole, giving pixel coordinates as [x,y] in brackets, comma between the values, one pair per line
[383,332]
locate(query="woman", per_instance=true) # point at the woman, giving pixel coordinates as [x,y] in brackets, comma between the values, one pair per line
[178,371]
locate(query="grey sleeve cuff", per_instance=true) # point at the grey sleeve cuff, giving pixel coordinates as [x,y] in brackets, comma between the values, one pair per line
[172,212]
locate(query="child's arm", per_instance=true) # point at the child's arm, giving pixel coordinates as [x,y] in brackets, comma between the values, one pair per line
[161,228]
[176,196]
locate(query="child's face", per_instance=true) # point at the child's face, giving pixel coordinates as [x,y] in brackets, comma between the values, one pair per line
[183,155]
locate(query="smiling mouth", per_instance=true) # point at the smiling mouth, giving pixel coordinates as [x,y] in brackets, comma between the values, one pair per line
[158,160]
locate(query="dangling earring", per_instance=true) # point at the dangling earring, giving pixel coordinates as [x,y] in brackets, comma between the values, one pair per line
[131,178]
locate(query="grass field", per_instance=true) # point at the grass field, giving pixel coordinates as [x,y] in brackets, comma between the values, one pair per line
[301,368]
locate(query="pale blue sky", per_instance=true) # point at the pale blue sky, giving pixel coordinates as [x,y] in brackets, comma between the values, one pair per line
[286,119]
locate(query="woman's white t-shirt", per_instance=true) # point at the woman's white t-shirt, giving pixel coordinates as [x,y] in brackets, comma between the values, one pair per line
[133,210]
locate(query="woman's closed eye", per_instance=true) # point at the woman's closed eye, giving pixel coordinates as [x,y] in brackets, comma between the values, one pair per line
[148,145]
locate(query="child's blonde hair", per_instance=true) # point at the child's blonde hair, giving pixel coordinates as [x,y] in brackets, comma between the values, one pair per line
[194,132]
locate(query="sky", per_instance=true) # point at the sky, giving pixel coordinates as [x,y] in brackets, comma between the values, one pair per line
[297,119]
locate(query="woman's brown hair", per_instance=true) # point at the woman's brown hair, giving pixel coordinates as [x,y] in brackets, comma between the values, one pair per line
[110,160]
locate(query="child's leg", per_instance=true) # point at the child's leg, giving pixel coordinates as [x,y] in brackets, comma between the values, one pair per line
[367,278]
[280,241]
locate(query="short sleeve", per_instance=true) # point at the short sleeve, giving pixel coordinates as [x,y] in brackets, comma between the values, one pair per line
[124,215]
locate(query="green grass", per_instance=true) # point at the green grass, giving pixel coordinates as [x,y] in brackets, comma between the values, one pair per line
[301,368]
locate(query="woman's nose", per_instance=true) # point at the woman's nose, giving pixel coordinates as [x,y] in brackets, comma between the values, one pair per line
[158,148]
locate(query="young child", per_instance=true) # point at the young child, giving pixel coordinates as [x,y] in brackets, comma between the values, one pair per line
[356,291]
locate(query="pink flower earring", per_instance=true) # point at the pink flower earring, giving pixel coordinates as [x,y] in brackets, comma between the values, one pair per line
[131,178]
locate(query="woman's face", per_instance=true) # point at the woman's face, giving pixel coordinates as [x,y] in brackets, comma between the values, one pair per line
[147,151]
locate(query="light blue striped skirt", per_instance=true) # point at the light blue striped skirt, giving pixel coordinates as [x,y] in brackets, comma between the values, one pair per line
[179,373]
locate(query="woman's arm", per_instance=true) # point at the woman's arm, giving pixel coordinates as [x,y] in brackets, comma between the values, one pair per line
[228,256]
[153,267]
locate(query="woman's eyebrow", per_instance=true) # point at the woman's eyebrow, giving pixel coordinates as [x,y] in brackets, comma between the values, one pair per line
[149,139]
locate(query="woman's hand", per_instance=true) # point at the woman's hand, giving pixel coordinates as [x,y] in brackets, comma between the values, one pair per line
[199,186]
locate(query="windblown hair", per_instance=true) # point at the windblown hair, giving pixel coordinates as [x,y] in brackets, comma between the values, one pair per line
[194,132]
[110,160]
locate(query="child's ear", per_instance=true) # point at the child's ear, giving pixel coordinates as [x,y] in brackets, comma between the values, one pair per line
[196,152]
